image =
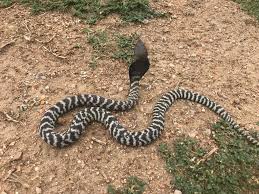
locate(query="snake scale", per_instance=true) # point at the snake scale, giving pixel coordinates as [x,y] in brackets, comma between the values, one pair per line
[97,109]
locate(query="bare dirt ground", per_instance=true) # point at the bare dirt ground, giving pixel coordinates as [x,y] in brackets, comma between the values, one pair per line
[209,46]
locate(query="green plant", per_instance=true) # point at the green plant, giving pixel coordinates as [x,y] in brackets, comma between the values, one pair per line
[232,168]
[98,40]
[251,6]
[5,3]
[112,46]
[134,185]
[131,10]
[125,45]
[93,10]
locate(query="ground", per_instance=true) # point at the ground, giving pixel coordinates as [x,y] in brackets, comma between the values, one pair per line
[209,46]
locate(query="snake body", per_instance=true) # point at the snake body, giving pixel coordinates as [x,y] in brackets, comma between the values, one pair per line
[97,109]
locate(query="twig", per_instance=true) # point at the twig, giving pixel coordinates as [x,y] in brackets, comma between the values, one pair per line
[27,37]
[98,141]
[12,177]
[56,55]
[28,29]
[9,118]
[47,41]
[105,176]
[206,156]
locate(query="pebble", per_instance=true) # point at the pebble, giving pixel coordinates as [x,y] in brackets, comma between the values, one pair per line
[174,17]
[17,156]
[147,108]
[12,143]
[177,192]
[38,190]
[40,76]
[207,131]
[73,86]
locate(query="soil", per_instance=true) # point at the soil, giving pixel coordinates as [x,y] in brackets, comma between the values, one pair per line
[209,46]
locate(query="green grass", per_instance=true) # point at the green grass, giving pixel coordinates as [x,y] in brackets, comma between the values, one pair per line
[233,168]
[93,10]
[125,47]
[6,3]
[98,40]
[115,46]
[251,6]
[134,185]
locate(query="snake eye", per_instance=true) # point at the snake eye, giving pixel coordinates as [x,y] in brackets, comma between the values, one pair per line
[141,63]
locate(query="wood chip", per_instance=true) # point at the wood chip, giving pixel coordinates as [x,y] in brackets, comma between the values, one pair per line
[98,141]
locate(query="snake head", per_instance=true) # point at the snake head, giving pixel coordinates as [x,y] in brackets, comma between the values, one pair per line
[140,64]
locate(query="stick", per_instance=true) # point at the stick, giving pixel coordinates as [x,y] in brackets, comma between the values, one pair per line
[98,141]
[56,55]
[206,156]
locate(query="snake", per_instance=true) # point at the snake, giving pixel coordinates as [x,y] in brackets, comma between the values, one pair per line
[99,109]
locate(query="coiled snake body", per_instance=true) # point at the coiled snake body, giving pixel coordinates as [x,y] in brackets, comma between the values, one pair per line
[97,109]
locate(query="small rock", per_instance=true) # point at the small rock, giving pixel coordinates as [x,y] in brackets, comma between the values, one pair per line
[146,108]
[73,86]
[145,21]
[41,76]
[38,190]
[12,143]
[177,192]
[174,17]
[26,37]
[17,156]
[23,107]
[120,89]
[236,102]
[208,131]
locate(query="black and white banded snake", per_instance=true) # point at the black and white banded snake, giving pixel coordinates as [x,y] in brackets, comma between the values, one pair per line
[97,109]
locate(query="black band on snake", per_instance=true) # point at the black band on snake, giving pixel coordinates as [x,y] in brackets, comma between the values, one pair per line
[97,109]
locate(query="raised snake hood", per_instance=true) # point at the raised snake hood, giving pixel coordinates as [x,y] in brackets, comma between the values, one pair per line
[140,63]
[140,51]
